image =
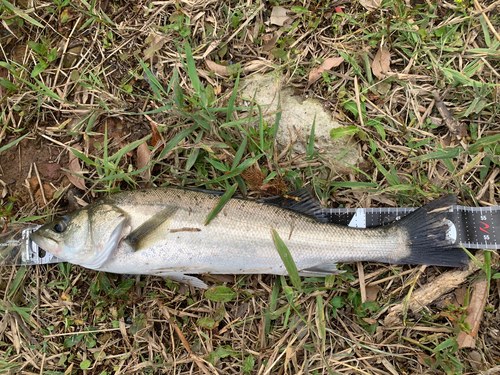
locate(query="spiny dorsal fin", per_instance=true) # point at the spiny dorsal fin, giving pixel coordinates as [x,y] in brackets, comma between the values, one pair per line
[306,204]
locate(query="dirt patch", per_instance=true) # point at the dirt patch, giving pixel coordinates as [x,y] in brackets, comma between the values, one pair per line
[17,165]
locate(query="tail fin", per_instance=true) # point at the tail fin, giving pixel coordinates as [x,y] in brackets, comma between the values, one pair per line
[428,239]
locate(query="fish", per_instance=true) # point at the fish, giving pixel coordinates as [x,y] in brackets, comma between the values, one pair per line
[161,231]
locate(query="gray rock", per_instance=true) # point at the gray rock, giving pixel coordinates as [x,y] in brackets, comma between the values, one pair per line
[297,117]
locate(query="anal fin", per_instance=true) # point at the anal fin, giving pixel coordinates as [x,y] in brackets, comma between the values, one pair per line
[182,278]
[321,270]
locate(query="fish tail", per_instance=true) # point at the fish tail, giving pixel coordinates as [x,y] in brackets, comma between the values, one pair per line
[430,239]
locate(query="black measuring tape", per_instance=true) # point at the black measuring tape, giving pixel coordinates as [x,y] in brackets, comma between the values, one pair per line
[473,227]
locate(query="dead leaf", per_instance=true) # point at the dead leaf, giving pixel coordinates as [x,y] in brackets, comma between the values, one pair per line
[370,4]
[369,320]
[155,44]
[257,65]
[74,166]
[383,87]
[217,68]
[272,42]
[156,136]
[254,177]
[475,312]
[460,295]
[372,292]
[476,361]
[143,156]
[33,182]
[425,360]
[329,63]
[381,63]
[48,192]
[279,16]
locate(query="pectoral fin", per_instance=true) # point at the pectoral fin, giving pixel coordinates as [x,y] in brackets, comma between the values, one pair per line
[152,229]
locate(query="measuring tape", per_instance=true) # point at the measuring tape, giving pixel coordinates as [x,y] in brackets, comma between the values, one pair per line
[473,227]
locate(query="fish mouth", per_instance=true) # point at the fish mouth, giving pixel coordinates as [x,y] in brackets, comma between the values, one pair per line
[47,243]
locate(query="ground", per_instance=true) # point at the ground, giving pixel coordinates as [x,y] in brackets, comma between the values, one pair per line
[103,96]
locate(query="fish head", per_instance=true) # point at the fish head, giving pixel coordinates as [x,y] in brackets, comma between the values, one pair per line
[86,237]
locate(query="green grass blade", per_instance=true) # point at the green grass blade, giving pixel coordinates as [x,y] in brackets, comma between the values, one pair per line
[222,202]
[128,148]
[191,69]
[178,95]
[153,81]
[320,320]
[480,143]
[232,99]
[17,282]
[175,141]
[277,118]
[310,146]
[21,14]
[239,153]
[448,153]
[240,169]
[82,157]
[287,259]
[352,184]
[12,144]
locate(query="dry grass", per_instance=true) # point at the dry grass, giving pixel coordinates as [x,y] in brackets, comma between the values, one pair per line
[101,76]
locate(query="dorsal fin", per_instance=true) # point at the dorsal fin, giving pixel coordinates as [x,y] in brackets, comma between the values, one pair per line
[305,203]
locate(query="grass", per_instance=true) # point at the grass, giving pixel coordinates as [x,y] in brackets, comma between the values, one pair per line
[111,76]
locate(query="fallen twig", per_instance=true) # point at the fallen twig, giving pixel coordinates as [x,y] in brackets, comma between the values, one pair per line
[432,291]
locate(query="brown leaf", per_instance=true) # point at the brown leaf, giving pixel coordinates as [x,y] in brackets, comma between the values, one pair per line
[254,177]
[381,63]
[460,295]
[329,63]
[474,315]
[369,320]
[422,357]
[143,156]
[217,69]
[272,42]
[48,191]
[254,65]
[155,44]
[74,166]
[372,292]
[279,16]
[156,136]
[33,182]
[370,4]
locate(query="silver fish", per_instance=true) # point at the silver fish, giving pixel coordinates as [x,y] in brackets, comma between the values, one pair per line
[162,231]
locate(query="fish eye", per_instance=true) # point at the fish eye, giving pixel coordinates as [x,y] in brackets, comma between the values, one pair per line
[60,224]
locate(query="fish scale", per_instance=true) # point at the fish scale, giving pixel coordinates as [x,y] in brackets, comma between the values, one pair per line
[162,231]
